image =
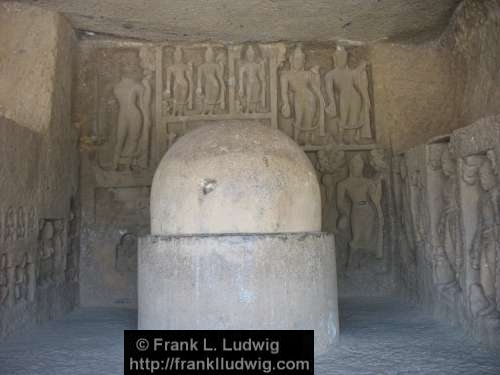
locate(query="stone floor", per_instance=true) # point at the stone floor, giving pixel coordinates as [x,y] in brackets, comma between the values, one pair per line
[379,336]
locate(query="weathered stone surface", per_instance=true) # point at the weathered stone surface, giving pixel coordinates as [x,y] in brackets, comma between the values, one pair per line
[417,92]
[263,281]
[28,53]
[243,20]
[39,210]
[235,178]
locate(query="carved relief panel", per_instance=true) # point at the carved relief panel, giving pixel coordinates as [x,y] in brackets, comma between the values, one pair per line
[477,149]
[204,82]
[147,96]
[52,260]
[485,250]
[357,207]
[444,239]
[123,127]
[17,274]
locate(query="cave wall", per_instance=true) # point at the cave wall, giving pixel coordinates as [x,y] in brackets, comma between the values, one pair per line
[115,192]
[415,93]
[449,257]
[418,90]
[39,169]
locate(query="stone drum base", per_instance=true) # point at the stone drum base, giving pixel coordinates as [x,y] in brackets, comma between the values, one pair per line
[261,281]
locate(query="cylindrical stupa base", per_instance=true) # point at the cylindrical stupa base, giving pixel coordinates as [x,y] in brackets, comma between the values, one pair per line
[240,282]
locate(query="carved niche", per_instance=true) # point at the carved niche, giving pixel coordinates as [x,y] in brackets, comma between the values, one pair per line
[360,211]
[123,129]
[349,98]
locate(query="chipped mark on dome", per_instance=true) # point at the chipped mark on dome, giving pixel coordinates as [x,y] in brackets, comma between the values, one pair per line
[208,185]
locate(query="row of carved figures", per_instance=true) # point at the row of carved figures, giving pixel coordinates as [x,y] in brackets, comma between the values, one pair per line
[347,89]
[465,196]
[302,96]
[55,261]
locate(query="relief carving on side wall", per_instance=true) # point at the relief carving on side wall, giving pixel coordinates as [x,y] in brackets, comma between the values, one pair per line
[406,217]
[10,225]
[447,250]
[485,246]
[23,274]
[72,252]
[4,280]
[51,252]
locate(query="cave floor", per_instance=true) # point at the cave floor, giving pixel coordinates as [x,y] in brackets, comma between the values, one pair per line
[378,336]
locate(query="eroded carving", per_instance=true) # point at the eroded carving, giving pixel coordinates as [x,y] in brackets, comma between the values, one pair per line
[211,86]
[47,253]
[252,83]
[331,163]
[306,104]
[408,252]
[448,260]
[126,254]
[146,56]
[21,223]
[4,279]
[10,225]
[379,164]
[485,246]
[179,84]
[470,169]
[348,98]
[133,110]
[31,221]
[359,204]
[22,279]
[71,266]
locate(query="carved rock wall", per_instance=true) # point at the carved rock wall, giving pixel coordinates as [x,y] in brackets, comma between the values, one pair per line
[321,95]
[449,252]
[452,218]
[39,186]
